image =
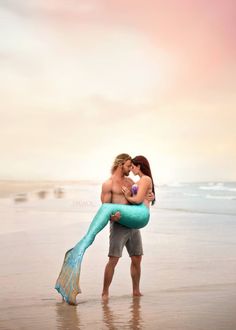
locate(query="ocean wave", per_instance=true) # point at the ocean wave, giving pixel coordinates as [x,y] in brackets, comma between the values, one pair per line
[218,187]
[176,185]
[198,211]
[191,194]
[221,197]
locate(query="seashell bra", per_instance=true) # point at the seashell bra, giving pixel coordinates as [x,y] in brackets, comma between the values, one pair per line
[134,189]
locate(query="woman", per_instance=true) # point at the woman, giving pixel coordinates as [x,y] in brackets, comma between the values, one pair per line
[140,190]
[133,216]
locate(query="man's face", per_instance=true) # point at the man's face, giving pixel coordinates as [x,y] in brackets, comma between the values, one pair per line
[126,167]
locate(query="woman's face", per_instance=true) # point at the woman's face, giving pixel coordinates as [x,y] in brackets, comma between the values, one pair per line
[135,169]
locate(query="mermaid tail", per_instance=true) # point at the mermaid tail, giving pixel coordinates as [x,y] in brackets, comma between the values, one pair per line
[132,216]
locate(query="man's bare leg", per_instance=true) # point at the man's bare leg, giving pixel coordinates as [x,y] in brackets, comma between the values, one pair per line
[135,270]
[108,275]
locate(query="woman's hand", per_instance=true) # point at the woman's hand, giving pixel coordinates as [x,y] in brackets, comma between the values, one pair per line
[143,187]
[126,191]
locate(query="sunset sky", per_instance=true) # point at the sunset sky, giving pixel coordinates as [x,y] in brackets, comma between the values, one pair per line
[82,81]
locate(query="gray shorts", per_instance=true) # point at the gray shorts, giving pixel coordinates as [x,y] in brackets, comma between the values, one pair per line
[121,236]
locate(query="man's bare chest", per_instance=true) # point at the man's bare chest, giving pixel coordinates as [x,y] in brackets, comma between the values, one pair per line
[117,185]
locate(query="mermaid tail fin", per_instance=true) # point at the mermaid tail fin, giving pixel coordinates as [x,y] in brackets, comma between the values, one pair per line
[67,283]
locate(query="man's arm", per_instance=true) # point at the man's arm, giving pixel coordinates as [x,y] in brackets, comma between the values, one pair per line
[106,197]
[106,194]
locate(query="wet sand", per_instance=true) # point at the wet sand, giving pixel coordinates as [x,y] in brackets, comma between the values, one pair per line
[188,271]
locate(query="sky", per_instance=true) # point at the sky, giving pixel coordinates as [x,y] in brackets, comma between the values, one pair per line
[82,81]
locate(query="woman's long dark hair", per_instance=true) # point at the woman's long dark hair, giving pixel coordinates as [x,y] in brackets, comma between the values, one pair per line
[145,169]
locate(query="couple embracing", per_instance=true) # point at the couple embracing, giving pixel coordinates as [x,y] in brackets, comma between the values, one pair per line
[126,205]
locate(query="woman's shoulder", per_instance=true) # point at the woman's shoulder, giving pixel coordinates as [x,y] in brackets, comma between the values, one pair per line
[146,178]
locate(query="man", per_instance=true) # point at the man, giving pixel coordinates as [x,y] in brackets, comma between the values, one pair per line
[121,236]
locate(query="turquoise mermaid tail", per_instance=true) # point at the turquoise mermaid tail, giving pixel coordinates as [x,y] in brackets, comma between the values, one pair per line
[132,216]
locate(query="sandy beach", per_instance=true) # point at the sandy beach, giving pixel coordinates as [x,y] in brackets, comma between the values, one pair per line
[188,270]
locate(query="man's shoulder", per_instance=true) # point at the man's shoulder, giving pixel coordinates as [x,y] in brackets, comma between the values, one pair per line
[107,185]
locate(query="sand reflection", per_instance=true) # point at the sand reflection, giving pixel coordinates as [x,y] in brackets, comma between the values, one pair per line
[112,315]
[67,316]
[135,321]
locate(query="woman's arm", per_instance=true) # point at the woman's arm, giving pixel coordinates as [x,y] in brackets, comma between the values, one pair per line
[143,187]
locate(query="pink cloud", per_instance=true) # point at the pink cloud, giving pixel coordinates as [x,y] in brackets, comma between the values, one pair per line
[199,36]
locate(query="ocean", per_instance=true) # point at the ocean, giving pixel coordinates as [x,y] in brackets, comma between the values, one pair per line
[199,197]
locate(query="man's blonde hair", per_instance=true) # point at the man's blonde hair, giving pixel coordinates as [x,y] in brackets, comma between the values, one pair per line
[119,160]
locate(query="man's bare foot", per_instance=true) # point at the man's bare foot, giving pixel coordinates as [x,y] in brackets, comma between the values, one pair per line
[105,296]
[137,294]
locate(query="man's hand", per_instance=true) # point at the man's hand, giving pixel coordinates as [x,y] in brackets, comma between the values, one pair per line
[115,217]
